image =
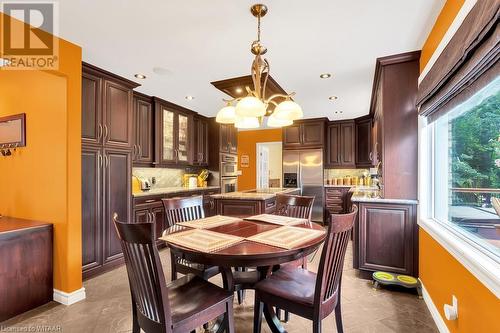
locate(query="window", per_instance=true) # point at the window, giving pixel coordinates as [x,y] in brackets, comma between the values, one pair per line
[466,168]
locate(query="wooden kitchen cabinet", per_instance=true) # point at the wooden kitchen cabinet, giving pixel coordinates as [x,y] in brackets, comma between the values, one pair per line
[223,140]
[92,129]
[341,145]
[336,200]
[308,133]
[228,138]
[143,148]
[244,208]
[386,238]
[200,145]
[174,128]
[364,142]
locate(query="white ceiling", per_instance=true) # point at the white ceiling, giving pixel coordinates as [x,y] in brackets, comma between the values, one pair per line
[200,41]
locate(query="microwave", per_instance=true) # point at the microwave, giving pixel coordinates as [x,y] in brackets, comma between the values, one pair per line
[229,184]
[229,165]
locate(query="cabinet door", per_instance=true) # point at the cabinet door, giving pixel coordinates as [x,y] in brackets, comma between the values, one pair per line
[183,132]
[141,215]
[117,198]
[347,144]
[143,132]
[167,135]
[92,127]
[224,138]
[91,207]
[386,238]
[291,136]
[200,156]
[118,115]
[364,143]
[233,139]
[333,145]
[313,134]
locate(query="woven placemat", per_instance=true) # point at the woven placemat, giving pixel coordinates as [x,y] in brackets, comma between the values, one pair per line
[202,240]
[276,219]
[286,237]
[209,222]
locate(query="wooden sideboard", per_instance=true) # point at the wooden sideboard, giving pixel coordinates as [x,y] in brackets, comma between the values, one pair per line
[25,266]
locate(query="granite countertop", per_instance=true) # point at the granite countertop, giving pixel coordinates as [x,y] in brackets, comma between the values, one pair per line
[258,194]
[363,198]
[330,185]
[171,190]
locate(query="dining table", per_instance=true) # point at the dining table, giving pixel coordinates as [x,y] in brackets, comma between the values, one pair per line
[249,248]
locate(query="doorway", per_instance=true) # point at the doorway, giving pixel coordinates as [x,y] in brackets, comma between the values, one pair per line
[269,164]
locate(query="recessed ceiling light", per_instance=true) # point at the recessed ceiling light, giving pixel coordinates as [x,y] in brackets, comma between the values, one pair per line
[162,71]
[189,97]
[332,98]
[325,76]
[4,62]
[140,76]
[238,90]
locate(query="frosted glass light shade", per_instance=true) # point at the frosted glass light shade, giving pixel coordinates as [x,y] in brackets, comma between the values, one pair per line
[250,106]
[288,110]
[246,122]
[272,121]
[226,115]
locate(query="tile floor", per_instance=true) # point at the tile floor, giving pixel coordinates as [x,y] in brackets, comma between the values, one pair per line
[107,308]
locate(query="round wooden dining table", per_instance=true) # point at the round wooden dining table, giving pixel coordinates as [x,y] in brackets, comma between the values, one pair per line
[247,253]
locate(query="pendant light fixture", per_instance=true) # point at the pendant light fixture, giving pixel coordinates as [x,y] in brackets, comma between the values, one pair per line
[250,110]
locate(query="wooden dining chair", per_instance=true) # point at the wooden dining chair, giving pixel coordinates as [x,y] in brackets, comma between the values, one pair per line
[182,210]
[181,306]
[309,295]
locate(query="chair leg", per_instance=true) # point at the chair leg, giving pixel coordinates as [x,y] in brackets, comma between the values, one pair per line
[317,325]
[135,323]
[278,313]
[257,316]
[173,268]
[241,296]
[287,316]
[229,317]
[338,318]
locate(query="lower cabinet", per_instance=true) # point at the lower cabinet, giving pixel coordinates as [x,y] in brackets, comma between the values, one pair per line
[336,199]
[245,208]
[386,238]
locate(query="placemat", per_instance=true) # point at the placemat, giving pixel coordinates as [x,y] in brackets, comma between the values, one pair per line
[202,240]
[209,222]
[286,237]
[276,219]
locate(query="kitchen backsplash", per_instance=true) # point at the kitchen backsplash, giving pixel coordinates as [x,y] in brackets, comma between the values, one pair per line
[164,177]
[339,173]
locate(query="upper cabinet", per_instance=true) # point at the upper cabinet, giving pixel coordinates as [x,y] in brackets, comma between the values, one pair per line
[341,145]
[200,144]
[174,126]
[308,133]
[143,149]
[228,139]
[107,116]
[364,154]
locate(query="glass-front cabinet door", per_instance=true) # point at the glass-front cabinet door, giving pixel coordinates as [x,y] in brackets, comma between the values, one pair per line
[183,139]
[168,150]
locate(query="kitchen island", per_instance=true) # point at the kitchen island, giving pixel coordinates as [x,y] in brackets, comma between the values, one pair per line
[248,203]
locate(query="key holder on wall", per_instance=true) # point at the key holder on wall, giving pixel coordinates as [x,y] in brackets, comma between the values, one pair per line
[12,134]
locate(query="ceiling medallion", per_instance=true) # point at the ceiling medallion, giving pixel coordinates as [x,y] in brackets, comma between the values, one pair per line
[251,109]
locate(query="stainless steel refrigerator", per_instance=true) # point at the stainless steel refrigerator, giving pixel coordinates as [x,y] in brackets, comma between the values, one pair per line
[304,169]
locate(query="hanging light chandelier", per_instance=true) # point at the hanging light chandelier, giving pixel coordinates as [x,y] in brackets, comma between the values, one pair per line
[250,110]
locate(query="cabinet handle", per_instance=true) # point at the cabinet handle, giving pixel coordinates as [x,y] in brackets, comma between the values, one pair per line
[139,147]
[105,133]
[150,200]
[134,152]
[106,157]
[99,132]
[370,157]
[99,159]
[151,217]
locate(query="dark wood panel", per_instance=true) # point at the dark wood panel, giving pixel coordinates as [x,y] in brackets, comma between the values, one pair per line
[92,129]
[92,200]
[347,144]
[364,142]
[291,136]
[386,238]
[333,145]
[117,190]
[26,269]
[238,208]
[313,134]
[143,131]
[233,139]
[118,115]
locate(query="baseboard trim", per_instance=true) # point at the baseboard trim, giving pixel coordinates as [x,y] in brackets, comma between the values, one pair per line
[69,298]
[438,320]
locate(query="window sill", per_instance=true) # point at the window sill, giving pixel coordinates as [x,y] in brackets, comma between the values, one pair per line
[470,255]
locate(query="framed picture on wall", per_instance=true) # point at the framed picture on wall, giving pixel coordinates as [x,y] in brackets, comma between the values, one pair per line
[245,161]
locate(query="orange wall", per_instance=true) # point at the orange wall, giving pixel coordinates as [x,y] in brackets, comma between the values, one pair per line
[444,20]
[247,141]
[441,274]
[43,180]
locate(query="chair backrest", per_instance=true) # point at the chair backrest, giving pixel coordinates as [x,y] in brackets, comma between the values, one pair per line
[294,206]
[147,281]
[183,209]
[332,256]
